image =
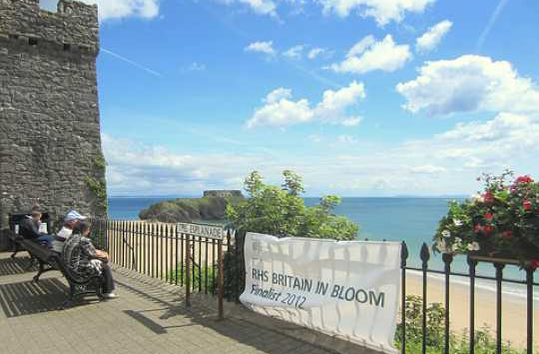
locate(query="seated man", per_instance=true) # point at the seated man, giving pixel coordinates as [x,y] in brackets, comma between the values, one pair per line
[71,220]
[83,260]
[29,226]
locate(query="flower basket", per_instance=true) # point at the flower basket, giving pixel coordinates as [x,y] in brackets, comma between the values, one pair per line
[501,222]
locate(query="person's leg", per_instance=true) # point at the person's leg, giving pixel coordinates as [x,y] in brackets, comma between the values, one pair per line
[108,283]
[45,239]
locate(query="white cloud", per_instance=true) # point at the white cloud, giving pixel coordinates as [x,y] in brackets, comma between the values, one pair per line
[430,39]
[361,46]
[466,84]
[346,139]
[261,7]
[315,52]
[368,55]
[504,126]
[428,169]
[295,52]
[278,95]
[315,138]
[506,140]
[261,47]
[383,11]
[352,121]
[280,110]
[124,8]
[197,66]
[136,168]
[446,163]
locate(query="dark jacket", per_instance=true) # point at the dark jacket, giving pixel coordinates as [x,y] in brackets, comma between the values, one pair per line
[29,229]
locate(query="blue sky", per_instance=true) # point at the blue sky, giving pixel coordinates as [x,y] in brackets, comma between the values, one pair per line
[361,97]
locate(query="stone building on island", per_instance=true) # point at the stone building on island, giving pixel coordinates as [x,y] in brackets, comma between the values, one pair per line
[50,143]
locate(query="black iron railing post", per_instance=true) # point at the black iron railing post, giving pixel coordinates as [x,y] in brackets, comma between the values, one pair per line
[176,255]
[447,259]
[499,277]
[187,270]
[404,257]
[529,309]
[425,256]
[165,236]
[472,264]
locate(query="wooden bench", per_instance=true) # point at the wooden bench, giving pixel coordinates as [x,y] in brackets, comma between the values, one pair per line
[49,260]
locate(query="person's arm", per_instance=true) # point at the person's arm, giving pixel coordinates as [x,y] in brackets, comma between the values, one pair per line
[92,252]
[29,230]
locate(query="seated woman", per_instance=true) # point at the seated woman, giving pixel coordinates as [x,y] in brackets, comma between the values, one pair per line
[29,227]
[82,258]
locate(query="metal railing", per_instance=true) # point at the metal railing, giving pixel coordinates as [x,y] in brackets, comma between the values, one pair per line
[472,262]
[161,251]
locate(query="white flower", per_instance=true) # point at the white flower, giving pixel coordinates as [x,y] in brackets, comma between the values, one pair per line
[474,246]
[441,246]
[458,240]
[478,198]
[446,233]
[457,222]
[455,247]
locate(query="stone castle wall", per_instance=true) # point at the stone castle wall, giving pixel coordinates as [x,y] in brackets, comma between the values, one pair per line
[50,144]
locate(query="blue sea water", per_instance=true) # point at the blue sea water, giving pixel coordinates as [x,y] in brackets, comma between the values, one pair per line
[413,220]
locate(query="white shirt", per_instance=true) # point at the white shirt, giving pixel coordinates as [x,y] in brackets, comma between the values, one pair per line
[64,233]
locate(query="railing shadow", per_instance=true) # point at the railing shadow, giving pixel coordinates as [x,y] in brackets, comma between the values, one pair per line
[17,265]
[168,307]
[28,297]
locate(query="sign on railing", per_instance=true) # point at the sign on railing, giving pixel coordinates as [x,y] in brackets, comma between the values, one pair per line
[202,230]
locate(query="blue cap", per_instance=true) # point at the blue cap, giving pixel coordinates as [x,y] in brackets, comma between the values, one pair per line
[73,215]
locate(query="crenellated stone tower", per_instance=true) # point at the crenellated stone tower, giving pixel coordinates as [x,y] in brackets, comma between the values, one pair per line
[50,144]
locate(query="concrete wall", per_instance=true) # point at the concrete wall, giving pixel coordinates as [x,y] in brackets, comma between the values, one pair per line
[50,144]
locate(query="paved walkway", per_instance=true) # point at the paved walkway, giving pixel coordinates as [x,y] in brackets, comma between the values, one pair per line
[149,317]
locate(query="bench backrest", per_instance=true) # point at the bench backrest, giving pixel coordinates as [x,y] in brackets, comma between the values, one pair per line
[72,258]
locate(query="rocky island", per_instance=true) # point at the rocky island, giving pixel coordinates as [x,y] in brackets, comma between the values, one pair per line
[211,206]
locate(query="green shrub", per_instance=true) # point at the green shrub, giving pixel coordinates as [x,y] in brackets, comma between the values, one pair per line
[458,343]
[204,276]
[280,211]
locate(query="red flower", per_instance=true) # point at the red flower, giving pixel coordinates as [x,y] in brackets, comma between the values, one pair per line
[487,229]
[478,228]
[523,179]
[488,197]
[507,234]
[534,264]
[527,205]
[488,216]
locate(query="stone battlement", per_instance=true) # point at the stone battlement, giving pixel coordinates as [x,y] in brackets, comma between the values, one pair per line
[223,194]
[74,27]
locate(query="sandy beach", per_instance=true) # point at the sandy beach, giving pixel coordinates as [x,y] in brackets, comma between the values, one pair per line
[513,308]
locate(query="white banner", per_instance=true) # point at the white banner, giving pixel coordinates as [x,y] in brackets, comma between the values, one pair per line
[348,289]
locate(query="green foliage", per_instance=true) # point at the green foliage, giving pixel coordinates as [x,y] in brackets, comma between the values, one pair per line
[280,211]
[100,163]
[204,276]
[458,343]
[98,186]
[99,189]
[502,220]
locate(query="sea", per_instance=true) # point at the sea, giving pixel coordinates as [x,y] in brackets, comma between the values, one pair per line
[410,219]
